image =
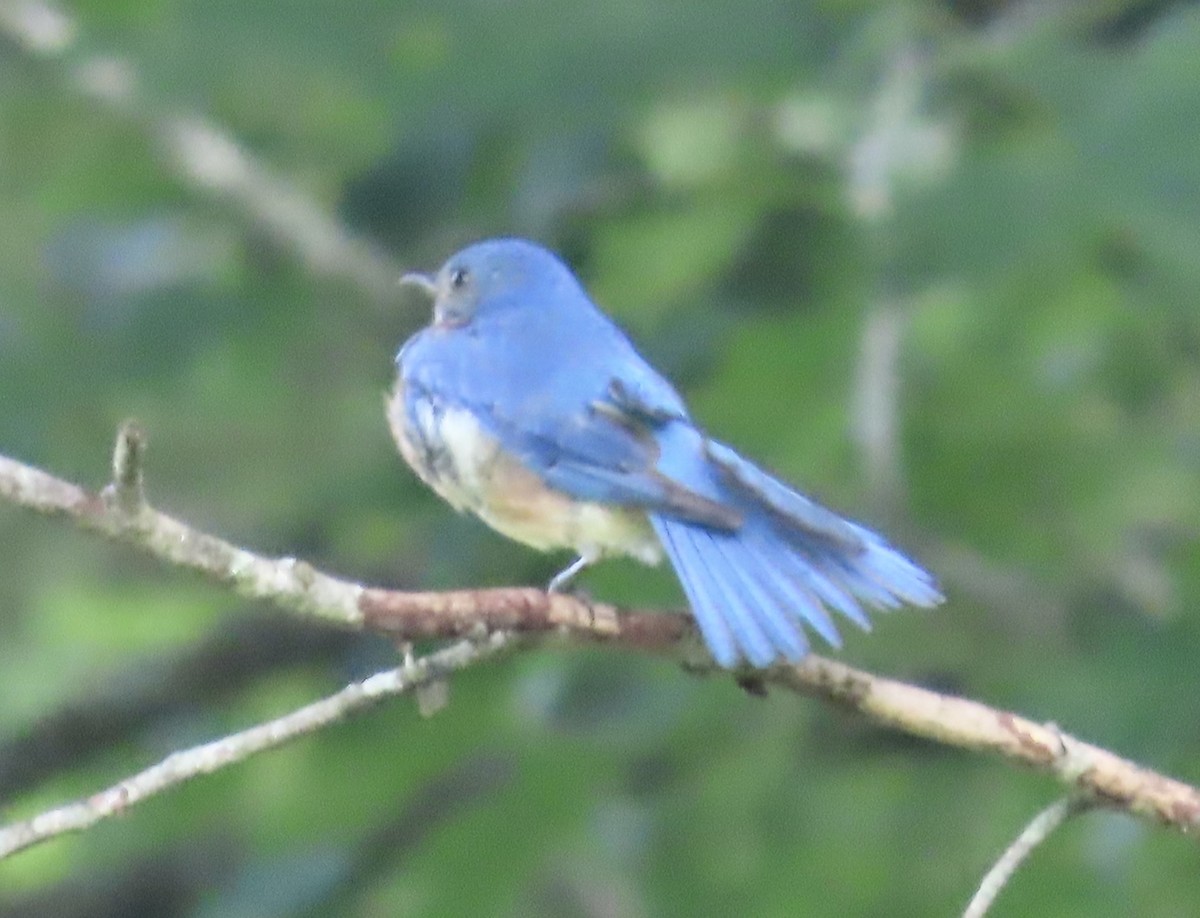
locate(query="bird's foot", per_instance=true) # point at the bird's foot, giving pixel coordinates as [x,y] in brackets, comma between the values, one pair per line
[567,574]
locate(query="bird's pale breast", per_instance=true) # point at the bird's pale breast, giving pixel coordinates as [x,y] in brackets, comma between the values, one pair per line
[456,457]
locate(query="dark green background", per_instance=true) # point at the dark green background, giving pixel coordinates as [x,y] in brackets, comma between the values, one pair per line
[695,162]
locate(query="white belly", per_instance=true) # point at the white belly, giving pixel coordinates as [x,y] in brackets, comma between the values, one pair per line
[464,464]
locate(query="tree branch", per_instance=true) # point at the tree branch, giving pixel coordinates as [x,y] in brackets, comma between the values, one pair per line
[201,760]
[286,581]
[1090,772]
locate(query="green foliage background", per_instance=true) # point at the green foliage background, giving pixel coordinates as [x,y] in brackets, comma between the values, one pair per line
[697,163]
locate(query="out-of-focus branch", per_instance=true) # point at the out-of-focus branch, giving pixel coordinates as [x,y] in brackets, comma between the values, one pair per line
[385,850]
[202,154]
[1090,772]
[876,425]
[898,145]
[200,760]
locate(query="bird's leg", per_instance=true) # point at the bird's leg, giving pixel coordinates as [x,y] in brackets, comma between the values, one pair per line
[567,574]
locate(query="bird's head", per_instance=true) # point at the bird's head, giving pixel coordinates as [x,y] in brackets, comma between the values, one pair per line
[490,276]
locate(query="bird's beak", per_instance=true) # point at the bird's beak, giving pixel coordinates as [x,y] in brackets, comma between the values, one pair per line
[416,279]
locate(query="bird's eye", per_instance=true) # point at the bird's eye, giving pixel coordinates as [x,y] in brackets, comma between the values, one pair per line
[458,278]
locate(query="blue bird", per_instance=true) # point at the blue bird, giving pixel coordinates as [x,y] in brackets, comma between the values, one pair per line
[524,404]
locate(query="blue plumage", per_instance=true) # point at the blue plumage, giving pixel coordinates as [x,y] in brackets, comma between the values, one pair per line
[525,404]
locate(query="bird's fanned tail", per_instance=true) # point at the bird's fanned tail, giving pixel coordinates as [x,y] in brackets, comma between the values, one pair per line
[754,590]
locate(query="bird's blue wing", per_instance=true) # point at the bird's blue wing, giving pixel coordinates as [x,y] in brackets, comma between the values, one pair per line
[604,452]
[791,510]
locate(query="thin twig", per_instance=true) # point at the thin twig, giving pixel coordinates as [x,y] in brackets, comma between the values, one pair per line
[127,487]
[179,767]
[1039,829]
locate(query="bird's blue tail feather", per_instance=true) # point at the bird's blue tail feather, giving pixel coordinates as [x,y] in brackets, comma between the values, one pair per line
[823,584]
[752,590]
[756,596]
[688,558]
[747,602]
